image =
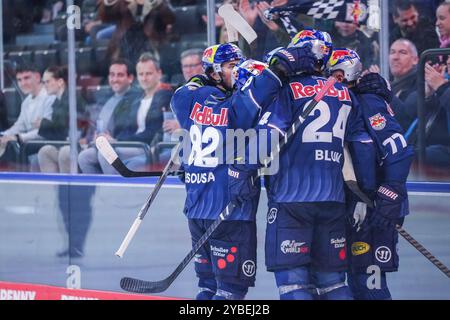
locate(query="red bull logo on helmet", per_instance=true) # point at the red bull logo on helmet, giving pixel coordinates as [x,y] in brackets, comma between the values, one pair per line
[339,55]
[304,35]
[209,53]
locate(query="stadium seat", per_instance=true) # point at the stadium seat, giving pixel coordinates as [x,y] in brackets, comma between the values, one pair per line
[170,58]
[188,20]
[83,59]
[100,66]
[13,101]
[97,94]
[45,58]
[21,57]
[9,68]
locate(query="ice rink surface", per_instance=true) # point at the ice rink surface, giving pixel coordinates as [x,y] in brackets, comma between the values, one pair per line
[31,232]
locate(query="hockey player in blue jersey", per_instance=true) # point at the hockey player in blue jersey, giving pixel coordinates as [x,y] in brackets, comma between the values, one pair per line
[226,264]
[373,238]
[305,235]
[206,106]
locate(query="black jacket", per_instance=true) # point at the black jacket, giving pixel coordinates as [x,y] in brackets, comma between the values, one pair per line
[57,128]
[126,129]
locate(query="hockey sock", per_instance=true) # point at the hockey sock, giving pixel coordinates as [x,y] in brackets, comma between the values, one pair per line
[294,284]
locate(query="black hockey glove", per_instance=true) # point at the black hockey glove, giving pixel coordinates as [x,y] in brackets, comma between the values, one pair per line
[374,83]
[389,202]
[241,186]
[291,61]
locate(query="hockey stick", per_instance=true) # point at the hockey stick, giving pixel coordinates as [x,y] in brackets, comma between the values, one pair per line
[142,286]
[232,33]
[237,22]
[113,159]
[352,184]
[111,156]
[137,222]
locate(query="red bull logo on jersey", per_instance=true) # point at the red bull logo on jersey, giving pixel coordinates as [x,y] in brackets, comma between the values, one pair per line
[378,122]
[300,91]
[206,116]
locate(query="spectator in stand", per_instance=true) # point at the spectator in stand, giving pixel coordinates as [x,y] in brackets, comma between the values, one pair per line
[403,60]
[347,35]
[413,26]
[144,122]
[443,24]
[36,106]
[149,109]
[437,116]
[52,158]
[271,34]
[191,63]
[108,115]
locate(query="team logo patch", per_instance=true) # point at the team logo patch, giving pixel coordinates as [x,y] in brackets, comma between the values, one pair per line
[378,122]
[383,254]
[359,248]
[249,268]
[338,243]
[225,255]
[272,215]
[199,259]
[292,246]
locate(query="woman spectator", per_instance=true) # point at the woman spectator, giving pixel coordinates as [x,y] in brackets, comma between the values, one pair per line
[52,158]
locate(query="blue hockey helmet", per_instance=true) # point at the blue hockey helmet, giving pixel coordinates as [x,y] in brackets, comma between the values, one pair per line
[346,60]
[319,42]
[214,56]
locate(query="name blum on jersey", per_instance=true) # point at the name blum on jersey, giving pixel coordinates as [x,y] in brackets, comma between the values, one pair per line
[300,91]
[206,116]
[328,155]
[204,177]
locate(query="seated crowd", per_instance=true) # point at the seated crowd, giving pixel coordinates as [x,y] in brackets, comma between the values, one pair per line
[144,42]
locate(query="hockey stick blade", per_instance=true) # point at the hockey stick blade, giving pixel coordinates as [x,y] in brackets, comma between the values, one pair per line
[231,17]
[142,286]
[107,151]
[352,184]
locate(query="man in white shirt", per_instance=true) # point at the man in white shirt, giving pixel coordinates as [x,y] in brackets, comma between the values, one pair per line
[37,105]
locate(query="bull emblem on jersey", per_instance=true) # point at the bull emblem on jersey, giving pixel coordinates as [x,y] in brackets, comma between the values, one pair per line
[377,122]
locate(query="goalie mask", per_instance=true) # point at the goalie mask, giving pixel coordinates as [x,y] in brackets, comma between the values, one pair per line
[346,60]
[318,41]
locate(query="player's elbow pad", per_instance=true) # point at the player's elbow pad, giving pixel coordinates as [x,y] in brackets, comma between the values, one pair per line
[397,171]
